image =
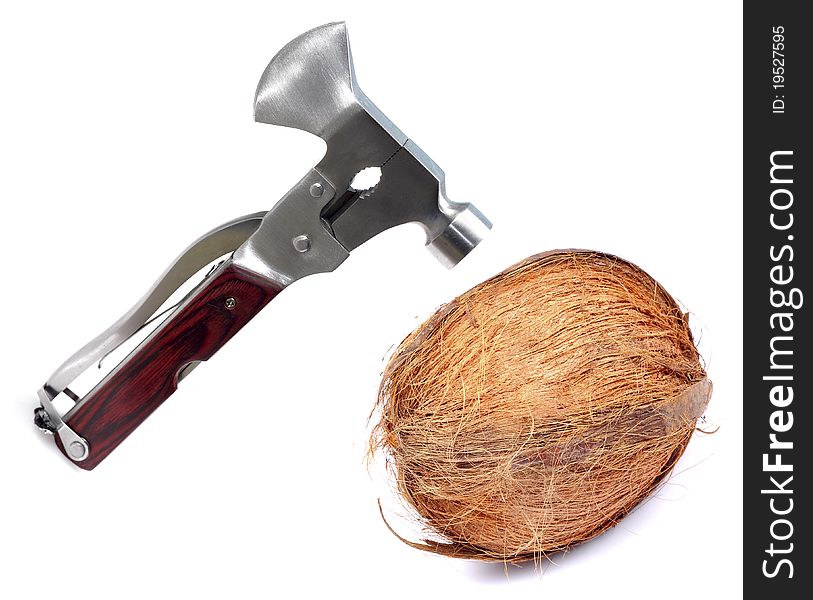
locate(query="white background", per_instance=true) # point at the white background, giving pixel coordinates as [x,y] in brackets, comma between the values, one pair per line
[126,132]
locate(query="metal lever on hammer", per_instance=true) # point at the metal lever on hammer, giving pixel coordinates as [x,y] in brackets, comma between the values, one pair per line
[309,85]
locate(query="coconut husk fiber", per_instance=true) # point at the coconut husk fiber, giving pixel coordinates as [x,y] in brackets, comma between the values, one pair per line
[537,409]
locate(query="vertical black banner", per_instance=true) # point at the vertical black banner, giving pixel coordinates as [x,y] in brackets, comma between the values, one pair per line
[778,169]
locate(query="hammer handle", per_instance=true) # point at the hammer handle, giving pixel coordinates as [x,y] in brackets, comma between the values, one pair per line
[205,321]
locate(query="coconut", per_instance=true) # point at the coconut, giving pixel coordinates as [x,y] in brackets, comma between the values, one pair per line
[536,410]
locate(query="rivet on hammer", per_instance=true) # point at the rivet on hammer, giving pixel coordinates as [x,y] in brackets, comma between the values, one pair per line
[77,450]
[302,243]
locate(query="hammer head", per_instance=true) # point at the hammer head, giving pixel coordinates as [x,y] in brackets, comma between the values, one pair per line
[310,85]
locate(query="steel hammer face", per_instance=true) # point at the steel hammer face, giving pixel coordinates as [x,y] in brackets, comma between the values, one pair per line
[309,85]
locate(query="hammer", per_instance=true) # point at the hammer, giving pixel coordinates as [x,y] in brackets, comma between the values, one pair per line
[310,85]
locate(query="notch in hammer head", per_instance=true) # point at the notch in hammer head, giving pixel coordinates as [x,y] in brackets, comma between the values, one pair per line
[311,85]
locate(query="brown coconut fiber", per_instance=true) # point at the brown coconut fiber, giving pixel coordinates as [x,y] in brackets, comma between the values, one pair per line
[536,410]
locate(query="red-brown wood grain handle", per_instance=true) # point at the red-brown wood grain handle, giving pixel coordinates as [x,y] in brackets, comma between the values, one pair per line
[226,301]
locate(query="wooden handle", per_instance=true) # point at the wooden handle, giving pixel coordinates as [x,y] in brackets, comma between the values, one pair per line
[225,302]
